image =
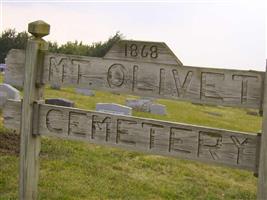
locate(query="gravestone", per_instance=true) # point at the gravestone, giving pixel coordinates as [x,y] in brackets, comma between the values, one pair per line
[254,113]
[113,108]
[158,109]
[197,104]
[115,93]
[60,102]
[85,91]
[142,105]
[152,99]
[55,86]
[8,92]
[216,114]
[2,67]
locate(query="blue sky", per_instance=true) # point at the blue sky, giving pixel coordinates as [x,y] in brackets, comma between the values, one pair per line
[223,34]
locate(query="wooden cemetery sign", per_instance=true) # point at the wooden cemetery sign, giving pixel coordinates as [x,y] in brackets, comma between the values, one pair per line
[138,68]
[163,79]
[151,136]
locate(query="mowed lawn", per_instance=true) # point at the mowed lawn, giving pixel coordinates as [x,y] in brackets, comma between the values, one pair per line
[77,170]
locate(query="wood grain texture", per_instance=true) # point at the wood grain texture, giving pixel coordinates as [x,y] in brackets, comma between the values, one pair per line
[262,181]
[211,145]
[29,144]
[195,84]
[152,52]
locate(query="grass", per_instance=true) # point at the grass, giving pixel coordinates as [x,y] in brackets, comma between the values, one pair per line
[77,170]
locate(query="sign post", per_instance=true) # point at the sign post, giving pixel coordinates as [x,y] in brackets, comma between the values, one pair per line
[30,144]
[262,182]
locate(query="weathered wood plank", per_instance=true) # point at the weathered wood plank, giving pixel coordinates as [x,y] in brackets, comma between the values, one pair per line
[262,181]
[235,149]
[195,84]
[152,52]
[30,144]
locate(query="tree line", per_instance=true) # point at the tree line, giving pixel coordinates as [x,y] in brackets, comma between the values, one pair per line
[10,39]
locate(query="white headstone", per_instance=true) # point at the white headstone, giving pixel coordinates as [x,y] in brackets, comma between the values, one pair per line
[85,91]
[139,104]
[158,109]
[8,92]
[113,108]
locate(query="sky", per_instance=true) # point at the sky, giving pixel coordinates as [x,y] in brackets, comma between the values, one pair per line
[205,33]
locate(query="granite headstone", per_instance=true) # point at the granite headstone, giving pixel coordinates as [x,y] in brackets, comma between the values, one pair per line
[113,108]
[8,92]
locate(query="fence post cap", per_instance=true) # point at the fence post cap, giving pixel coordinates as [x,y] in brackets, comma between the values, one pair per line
[39,28]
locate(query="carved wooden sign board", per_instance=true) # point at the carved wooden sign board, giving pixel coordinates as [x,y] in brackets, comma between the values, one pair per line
[139,68]
[119,72]
[212,145]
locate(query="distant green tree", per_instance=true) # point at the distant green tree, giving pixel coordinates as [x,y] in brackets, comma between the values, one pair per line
[77,48]
[53,46]
[10,39]
[98,49]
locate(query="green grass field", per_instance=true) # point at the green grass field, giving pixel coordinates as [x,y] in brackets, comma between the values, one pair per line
[77,170]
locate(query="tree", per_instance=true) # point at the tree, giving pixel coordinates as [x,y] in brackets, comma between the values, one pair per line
[9,39]
[97,49]
[100,49]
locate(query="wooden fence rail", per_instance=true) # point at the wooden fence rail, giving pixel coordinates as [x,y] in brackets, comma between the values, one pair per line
[212,145]
[196,84]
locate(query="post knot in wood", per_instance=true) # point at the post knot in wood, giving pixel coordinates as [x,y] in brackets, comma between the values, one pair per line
[39,28]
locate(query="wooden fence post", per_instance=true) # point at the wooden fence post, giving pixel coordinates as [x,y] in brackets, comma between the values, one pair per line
[262,180]
[30,144]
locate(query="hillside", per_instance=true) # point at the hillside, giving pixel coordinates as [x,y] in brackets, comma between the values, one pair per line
[77,170]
